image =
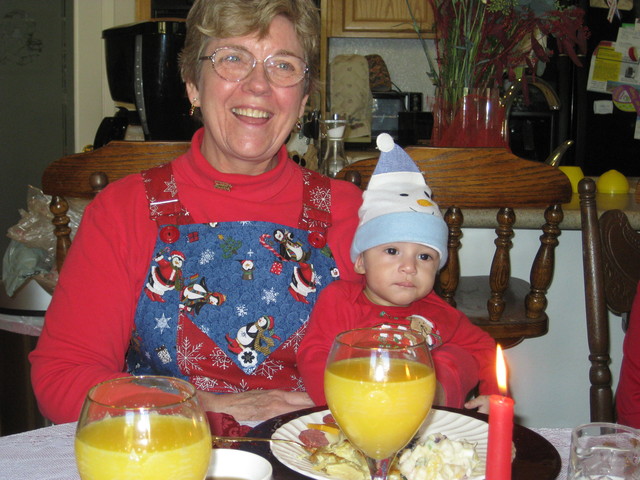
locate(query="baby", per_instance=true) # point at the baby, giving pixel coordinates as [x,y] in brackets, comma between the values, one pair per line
[399,247]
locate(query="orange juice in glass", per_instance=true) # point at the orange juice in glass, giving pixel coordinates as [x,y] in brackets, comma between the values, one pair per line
[379,384]
[142,428]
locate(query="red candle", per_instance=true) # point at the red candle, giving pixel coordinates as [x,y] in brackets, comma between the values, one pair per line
[500,427]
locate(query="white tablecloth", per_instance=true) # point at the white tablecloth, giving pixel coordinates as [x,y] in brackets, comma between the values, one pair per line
[47,453]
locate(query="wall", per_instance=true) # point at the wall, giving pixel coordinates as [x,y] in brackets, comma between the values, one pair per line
[36,121]
[92,99]
[548,375]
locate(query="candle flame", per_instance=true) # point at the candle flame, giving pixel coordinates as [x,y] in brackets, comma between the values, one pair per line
[501,370]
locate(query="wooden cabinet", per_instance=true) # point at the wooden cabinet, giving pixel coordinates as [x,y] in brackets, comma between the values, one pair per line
[143,10]
[376,18]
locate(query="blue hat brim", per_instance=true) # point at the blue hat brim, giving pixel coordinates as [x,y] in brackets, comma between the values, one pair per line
[413,227]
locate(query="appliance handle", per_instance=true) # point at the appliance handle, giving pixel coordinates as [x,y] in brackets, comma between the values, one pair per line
[139,85]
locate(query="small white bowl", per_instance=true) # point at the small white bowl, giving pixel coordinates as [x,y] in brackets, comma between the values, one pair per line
[231,464]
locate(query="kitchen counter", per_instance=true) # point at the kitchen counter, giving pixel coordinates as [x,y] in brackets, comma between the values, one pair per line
[532,218]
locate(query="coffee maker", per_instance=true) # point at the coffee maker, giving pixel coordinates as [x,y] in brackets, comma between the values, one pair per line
[145,83]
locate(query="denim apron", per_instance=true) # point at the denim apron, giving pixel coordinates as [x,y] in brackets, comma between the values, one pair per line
[225,304]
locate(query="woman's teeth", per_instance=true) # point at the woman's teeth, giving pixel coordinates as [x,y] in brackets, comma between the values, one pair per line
[250,112]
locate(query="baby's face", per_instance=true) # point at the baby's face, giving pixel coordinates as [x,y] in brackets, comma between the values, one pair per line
[398,273]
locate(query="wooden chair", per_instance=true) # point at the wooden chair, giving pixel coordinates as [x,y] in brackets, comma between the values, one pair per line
[83,175]
[491,181]
[611,263]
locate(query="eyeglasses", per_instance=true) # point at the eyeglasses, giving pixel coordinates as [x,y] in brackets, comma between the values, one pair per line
[235,64]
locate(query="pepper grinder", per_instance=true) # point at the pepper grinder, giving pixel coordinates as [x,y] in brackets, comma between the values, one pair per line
[334,158]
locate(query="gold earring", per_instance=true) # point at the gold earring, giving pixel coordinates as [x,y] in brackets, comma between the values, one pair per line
[298,125]
[192,110]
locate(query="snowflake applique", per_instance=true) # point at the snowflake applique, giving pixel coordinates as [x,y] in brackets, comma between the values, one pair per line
[299,383]
[219,359]
[294,340]
[270,296]
[205,329]
[227,387]
[189,355]
[321,197]
[153,207]
[245,223]
[162,323]
[242,310]
[250,253]
[206,384]
[207,256]
[172,187]
[269,368]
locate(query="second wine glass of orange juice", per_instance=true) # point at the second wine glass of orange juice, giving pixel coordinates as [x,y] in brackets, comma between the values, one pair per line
[379,384]
[142,428]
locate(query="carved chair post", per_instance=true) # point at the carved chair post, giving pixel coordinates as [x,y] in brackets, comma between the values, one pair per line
[59,208]
[543,264]
[600,394]
[450,274]
[501,264]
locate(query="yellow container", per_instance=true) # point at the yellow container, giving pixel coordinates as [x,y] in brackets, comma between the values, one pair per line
[612,182]
[575,175]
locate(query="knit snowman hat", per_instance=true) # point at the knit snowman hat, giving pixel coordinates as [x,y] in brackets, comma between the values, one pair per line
[397,205]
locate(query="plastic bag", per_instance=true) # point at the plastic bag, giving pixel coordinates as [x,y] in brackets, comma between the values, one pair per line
[31,253]
[35,229]
[21,263]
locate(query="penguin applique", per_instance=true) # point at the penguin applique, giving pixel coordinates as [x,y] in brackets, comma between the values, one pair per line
[303,277]
[254,337]
[248,266]
[196,295]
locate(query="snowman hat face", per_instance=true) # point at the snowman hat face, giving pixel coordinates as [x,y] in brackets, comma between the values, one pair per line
[397,205]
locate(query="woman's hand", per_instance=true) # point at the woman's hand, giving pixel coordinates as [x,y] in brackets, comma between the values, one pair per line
[255,405]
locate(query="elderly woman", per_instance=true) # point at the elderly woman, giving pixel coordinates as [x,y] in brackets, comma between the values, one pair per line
[207,268]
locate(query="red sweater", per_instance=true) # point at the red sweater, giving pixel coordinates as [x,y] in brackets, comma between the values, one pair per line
[89,322]
[466,355]
[628,392]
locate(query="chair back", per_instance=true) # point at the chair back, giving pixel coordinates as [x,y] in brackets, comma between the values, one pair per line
[611,264]
[494,184]
[83,175]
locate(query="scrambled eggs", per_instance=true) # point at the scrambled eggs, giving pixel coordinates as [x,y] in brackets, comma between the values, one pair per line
[434,458]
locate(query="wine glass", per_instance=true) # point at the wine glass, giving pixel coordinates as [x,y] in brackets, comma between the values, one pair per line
[142,428]
[379,384]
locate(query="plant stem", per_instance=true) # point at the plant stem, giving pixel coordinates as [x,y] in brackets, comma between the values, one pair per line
[433,69]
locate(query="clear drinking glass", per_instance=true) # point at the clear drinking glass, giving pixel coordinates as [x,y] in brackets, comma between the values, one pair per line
[604,451]
[334,158]
[142,428]
[379,384]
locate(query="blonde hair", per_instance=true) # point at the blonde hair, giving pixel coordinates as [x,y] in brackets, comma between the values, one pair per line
[209,19]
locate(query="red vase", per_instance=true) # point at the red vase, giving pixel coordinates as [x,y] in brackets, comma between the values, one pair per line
[476,120]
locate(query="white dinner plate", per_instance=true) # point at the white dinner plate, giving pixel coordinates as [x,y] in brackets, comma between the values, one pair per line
[453,425]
